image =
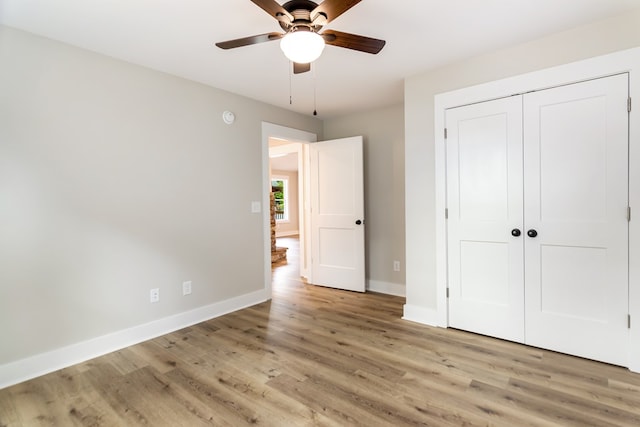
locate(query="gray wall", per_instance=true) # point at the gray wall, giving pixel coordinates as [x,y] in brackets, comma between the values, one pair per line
[599,38]
[115,179]
[383,132]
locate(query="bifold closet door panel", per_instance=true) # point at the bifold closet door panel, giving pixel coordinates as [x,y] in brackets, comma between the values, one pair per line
[576,198]
[484,199]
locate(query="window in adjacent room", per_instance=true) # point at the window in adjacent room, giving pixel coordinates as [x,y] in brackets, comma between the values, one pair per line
[280,189]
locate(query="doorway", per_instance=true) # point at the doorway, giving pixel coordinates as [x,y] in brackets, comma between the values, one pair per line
[287,136]
[287,187]
[332,197]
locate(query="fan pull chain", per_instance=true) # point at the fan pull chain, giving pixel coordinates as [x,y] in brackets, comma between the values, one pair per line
[315,111]
[290,92]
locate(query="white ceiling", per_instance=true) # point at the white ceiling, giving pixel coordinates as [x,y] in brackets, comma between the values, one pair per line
[178,36]
[288,162]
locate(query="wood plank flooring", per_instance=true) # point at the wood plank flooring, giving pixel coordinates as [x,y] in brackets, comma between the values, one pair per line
[316,356]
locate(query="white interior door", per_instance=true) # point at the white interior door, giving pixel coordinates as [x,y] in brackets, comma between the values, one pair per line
[576,197]
[484,199]
[337,214]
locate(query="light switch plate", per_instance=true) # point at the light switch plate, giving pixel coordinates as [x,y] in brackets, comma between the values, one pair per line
[256,207]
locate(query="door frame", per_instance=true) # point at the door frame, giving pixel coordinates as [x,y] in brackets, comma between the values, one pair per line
[271,130]
[627,61]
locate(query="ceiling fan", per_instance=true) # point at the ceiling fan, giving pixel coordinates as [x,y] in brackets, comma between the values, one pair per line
[302,21]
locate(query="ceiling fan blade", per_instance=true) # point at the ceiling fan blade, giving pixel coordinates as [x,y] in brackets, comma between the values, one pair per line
[333,8]
[246,41]
[301,68]
[353,41]
[274,9]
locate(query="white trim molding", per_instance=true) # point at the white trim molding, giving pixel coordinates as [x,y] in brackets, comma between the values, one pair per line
[44,363]
[388,288]
[426,316]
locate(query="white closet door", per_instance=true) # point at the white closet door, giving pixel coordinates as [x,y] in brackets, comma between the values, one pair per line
[576,195]
[484,198]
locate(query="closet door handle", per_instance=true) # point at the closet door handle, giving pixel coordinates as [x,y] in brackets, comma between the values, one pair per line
[515,232]
[532,233]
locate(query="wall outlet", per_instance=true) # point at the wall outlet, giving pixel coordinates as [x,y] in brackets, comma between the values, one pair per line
[154,295]
[186,288]
[396,265]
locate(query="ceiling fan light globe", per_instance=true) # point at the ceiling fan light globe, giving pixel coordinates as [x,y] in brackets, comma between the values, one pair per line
[302,47]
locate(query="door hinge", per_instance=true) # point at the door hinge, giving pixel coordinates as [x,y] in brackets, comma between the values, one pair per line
[446,213]
[445,133]
[447,292]
[629,104]
[628,321]
[628,213]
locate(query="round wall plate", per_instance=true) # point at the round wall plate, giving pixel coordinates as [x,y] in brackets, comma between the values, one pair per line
[228,117]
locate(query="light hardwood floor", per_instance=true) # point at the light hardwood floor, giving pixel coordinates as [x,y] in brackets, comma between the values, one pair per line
[316,356]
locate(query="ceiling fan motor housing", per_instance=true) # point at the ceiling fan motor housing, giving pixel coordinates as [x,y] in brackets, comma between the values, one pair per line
[302,20]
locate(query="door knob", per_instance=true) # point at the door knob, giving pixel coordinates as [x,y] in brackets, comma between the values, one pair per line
[515,232]
[358,222]
[532,233]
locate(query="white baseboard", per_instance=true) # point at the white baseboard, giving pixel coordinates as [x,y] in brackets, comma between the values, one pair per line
[44,363]
[422,315]
[386,288]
